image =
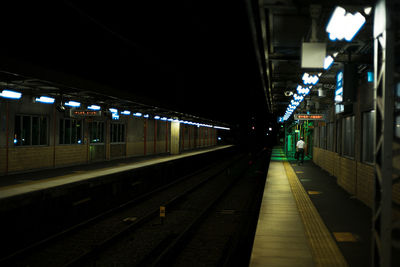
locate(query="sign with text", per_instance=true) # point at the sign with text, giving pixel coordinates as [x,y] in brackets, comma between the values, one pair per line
[84,113]
[309,117]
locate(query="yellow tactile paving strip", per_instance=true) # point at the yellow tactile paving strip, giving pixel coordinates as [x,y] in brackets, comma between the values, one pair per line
[323,247]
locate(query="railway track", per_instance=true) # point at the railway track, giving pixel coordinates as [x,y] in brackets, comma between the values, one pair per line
[166,244]
[86,240]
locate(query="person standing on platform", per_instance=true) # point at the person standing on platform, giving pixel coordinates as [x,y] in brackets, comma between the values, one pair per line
[300,150]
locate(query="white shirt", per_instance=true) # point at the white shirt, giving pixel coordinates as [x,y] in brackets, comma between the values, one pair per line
[300,144]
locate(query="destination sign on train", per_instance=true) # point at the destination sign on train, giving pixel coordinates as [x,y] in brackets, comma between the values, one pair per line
[85,113]
[310,117]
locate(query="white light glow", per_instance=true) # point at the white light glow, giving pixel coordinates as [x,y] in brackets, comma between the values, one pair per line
[113,110]
[222,128]
[310,79]
[10,94]
[367,10]
[115,116]
[156,117]
[126,112]
[302,90]
[45,99]
[163,118]
[146,115]
[328,62]
[137,114]
[73,104]
[94,107]
[344,25]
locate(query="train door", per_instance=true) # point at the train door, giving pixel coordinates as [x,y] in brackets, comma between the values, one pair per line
[97,142]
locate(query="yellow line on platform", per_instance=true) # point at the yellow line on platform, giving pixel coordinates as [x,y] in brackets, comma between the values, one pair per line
[323,247]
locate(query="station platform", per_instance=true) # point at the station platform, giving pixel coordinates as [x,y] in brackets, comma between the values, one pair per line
[24,183]
[306,219]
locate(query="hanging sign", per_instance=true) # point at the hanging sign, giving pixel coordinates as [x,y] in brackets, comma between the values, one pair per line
[309,117]
[84,113]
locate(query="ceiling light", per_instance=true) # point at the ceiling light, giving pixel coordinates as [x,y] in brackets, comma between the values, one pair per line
[367,10]
[94,107]
[163,118]
[344,25]
[137,114]
[126,112]
[73,104]
[45,99]
[146,116]
[156,117]
[10,94]
[113,110]
[288,93]
[310,79]
[328,62]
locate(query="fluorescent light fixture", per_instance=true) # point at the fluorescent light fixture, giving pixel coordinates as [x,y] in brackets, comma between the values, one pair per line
[115,116]
[170,119]
[126,112]
[303,90]
[72,104]
[146,115]
[328,62]
[367,10]
[113,110]
[156,117]
[310,79]
[45,99]
[163,118]
[344,25]
[222,128]
[94,107]
[10,94]
[137,114]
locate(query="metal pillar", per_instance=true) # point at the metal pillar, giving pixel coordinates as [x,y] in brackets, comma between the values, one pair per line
[384,70]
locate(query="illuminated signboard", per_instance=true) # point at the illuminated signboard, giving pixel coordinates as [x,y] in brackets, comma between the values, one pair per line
[84,113]
[310,117]
[339,87]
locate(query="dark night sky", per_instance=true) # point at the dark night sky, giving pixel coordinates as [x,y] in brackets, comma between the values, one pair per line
[193,56]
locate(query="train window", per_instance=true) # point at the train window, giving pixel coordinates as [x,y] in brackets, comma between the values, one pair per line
[348,136]
[338,137]
[367,135]
[117,133]
[96,132]
[30,130]
[330,136]
[70,132]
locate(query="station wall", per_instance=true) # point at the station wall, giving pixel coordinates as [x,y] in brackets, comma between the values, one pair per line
[37,136]
[350,156]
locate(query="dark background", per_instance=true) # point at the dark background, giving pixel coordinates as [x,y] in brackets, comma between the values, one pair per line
[195,57]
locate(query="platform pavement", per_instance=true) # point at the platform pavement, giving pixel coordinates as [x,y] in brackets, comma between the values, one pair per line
[347,221]
[21,183]
[341,212]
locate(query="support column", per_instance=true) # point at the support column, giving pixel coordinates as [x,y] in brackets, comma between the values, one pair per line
[145,136]
[155,136]
[385,139]
[175,126]
[7,134]
[166,136]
